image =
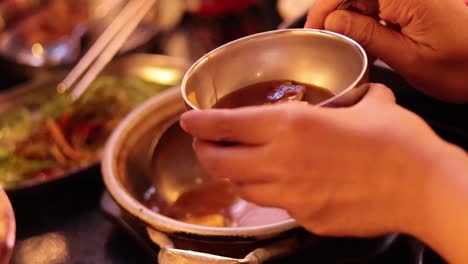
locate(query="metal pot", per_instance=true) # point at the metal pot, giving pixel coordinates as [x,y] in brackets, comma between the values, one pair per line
[127,173]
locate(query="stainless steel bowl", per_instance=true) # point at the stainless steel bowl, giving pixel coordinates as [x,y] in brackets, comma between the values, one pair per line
[317,57]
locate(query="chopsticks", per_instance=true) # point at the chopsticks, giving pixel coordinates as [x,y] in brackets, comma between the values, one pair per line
[105,48]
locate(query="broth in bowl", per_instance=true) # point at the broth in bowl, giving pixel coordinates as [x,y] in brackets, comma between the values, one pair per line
[272,92]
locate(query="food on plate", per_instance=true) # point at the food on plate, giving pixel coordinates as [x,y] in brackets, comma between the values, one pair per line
[10,10]
[50,136]
[55,20]
[42,21]
[274,92]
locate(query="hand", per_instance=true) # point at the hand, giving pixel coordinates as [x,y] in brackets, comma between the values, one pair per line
[424,42]
[356,171]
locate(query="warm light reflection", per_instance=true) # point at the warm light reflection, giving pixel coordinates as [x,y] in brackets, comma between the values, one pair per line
[192,97]
[320,80]
[37,50]
[47,248]
[161,75]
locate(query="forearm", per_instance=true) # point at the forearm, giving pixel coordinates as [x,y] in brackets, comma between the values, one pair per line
[444,211]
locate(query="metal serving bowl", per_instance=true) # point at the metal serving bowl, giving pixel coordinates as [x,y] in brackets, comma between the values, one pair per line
[325,59]
[128,171]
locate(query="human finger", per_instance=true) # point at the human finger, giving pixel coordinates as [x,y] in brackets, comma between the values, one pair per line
[378,40]
[319,11]
[378,94]
[240,163]
[248,125]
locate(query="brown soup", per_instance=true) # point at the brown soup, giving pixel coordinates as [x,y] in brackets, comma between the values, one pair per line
[274,92]
[214,204]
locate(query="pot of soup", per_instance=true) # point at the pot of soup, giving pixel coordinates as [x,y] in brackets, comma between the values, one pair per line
[151,171]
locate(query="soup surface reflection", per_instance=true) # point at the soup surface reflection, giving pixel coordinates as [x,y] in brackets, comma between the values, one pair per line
[214,204]
[274,92]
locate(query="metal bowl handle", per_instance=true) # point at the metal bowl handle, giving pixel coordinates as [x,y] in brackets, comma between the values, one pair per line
[168,254]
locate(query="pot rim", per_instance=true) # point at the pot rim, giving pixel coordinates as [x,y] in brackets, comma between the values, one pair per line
[145,214]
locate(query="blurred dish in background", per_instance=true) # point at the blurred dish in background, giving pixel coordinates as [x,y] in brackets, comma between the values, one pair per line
[218,7]
[45,136]
[292,9]
[165,15]
[7,228]
[48,33]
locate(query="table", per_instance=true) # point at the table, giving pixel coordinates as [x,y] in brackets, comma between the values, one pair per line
[63,222]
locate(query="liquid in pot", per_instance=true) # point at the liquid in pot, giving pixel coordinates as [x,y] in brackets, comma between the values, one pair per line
[214,204]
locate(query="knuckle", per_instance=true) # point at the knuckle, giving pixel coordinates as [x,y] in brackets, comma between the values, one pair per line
[367,33]
[223,127]
[320,228]
[209,164]
[246,192]
[385,92]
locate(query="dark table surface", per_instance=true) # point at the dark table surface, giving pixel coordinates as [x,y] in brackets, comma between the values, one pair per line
[63,222]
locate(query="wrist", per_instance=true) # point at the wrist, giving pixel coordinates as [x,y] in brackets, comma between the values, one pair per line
[441,219]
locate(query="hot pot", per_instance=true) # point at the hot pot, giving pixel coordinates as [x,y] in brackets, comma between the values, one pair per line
[128,163]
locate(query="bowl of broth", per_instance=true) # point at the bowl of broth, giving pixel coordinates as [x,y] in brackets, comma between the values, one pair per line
[315,66]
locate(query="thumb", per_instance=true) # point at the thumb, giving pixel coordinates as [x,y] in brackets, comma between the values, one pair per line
[378,40]
[378,94]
